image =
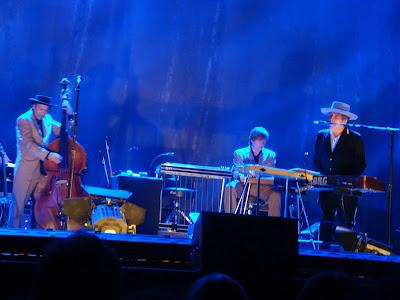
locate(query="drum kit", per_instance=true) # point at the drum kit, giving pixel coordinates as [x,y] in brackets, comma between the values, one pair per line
[105,210]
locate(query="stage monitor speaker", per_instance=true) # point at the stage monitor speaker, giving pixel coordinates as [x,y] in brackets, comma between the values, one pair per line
[145,194]
[252,249]
[359,242]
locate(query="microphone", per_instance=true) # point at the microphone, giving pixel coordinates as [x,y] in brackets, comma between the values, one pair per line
[326,123]
[319,122]
[78,80]
[169,154]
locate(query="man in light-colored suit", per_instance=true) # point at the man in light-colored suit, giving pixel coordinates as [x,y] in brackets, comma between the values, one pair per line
[255,153]
[33,129]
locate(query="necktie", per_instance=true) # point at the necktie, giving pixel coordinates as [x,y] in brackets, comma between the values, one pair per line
[40,126]
[41,132]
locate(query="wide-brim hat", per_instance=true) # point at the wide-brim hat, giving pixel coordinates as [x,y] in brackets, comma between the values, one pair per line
[339,108]
[40,99]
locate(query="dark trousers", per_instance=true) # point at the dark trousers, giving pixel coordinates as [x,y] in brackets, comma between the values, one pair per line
[337,209]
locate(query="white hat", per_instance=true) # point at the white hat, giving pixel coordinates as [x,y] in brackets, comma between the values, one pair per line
[339,108]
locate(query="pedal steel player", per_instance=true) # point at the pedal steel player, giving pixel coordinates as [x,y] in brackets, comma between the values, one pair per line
[255,153]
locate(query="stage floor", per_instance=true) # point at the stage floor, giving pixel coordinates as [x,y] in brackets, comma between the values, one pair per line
[167,261]
[25,244]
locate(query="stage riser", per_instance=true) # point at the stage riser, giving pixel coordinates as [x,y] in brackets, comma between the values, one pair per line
[150,261]
[133,250]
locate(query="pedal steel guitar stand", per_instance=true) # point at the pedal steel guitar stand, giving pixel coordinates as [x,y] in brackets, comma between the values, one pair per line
[288,175]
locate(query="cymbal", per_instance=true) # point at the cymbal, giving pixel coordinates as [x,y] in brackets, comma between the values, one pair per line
[77,209]
[178,189]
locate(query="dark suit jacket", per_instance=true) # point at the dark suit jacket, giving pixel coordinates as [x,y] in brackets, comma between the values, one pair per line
[348,157]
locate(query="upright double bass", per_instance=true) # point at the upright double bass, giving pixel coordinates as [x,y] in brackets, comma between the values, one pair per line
[58,186]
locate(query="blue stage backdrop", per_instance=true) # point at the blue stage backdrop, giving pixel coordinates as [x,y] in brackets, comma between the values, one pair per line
[194,77]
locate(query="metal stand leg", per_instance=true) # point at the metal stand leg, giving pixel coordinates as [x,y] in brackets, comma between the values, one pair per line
[175,214]
[182,213]
[246,205]
[241,199]
[300,202]
[221,198]
[343,218]
[258,194]
[10,215]
[161,200]
[298,212]
[286,198]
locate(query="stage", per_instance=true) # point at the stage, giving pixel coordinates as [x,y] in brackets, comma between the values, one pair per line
[167,262]
[208,136]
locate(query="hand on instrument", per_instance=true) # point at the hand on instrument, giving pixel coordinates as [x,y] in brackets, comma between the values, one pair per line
[55,157]
[67,107]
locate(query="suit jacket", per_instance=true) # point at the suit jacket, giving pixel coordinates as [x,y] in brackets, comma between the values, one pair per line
[244,156]
[30,144]
[348,157]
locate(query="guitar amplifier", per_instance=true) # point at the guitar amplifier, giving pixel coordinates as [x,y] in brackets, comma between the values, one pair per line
[146,194]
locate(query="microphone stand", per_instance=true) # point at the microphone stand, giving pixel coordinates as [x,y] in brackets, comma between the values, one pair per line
[392,131]
[108,157]
[168,154]
[103,162]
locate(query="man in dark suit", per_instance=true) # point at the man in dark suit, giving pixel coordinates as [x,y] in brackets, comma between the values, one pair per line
[338,151]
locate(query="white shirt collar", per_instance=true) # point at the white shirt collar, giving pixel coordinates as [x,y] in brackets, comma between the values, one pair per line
[334,140]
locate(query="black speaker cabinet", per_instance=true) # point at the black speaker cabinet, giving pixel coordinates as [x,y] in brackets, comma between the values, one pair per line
[260,252]
[146,194]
